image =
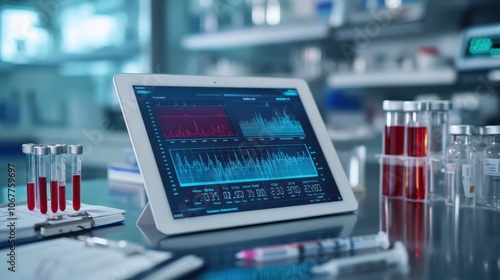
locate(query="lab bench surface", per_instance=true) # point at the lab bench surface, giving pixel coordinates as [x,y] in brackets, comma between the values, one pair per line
[442,242]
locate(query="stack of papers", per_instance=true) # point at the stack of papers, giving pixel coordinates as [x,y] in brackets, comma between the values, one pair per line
[65,258]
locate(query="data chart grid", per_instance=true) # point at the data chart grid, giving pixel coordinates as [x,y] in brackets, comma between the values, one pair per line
[194,122]
[223,165]
[267,119]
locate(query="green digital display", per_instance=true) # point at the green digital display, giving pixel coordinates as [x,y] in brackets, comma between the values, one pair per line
[484,47]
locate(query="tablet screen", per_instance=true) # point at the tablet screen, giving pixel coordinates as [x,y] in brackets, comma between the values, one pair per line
[223,150]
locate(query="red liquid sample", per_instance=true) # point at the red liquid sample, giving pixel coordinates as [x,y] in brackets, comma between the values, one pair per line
[394,140]
[416,187]
[393,179]
[62,198]
[416,224]
[416,141]
[393,217]
[30,188]
[42,191]
[76,192]
[392,169]
[54,201]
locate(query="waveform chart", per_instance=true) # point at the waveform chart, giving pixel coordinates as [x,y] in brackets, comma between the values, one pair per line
[194,122]
[224,165]
[267,119]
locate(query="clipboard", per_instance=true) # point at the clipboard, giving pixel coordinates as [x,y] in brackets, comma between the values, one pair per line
[20,225]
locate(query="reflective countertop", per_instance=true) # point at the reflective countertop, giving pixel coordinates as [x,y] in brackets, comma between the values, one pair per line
[442,242]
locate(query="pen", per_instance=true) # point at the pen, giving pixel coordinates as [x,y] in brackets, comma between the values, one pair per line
[369,261]
[305,248]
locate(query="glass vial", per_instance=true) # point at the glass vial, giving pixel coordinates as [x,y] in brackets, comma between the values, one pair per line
[438,141]
[438,130]
[491,168]
[55,174]
[416,139]
[460,167]
[392,179]
[62,178]
[480,142]
[41,153]
[28,150]
[76,173]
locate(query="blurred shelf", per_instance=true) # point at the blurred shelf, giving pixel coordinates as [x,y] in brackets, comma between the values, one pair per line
[257,36]
[355,32]
[104,54]
[445,76]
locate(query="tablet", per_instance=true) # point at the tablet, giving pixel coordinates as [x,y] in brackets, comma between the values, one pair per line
[219,152]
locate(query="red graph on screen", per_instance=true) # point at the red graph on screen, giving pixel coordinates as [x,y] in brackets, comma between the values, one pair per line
[194,122]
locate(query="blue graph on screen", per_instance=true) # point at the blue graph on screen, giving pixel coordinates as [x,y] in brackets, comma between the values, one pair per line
[206,166]
[267,119]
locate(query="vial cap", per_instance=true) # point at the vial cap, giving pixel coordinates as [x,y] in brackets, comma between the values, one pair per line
[76,149]
[392,105]
[492,130]
[64,148]
[54,149]
[28,148]
[440,105]
[461,129]
[478,130]
[413,106]
[41,150]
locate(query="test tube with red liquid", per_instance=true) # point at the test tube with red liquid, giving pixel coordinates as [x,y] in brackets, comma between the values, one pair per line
[55,173]
[76,173]
[393,175]
[62,177]
[28,149]
[41,153]
[417,122]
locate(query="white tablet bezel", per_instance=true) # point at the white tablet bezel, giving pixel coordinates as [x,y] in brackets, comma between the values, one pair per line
[157,196]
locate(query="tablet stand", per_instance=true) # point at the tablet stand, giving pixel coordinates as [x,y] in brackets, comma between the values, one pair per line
[146,217]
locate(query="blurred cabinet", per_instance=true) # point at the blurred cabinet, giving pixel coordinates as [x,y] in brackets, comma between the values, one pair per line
[68,51]
[367,50]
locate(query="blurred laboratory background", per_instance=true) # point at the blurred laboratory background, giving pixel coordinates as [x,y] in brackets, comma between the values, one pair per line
[57,60]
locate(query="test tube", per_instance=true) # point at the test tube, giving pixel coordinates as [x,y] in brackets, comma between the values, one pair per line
[41,177]
[417,123]
[76,173]
[62,177]
[28,149]
[55,174]
[392,179]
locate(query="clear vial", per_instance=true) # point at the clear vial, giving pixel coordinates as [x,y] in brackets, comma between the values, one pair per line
[491,168]
[438,141]
[392,179]
[438,136]
[460,167]
[480,142]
